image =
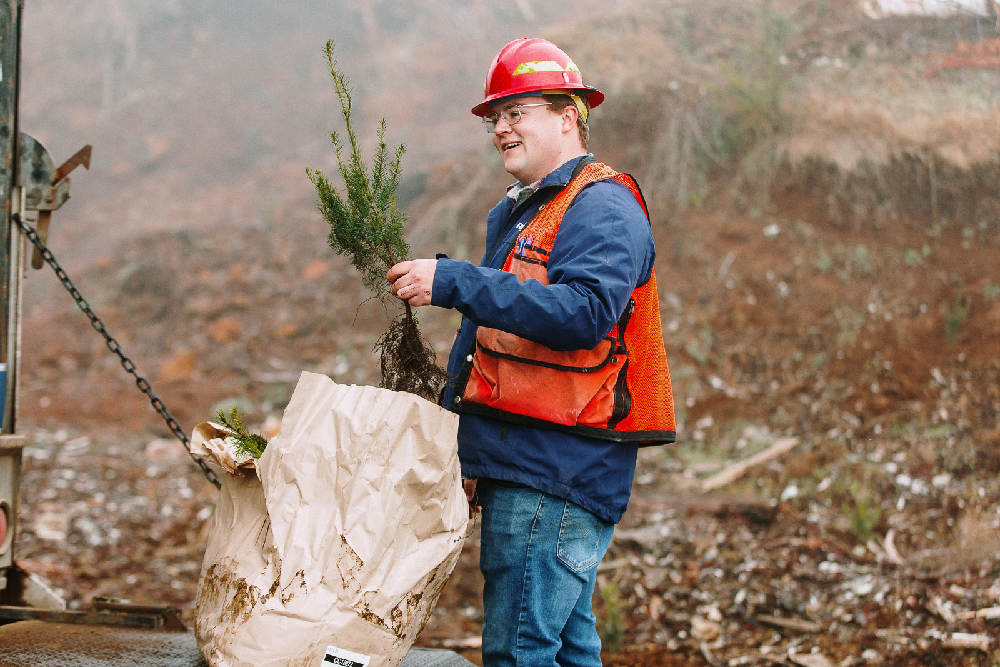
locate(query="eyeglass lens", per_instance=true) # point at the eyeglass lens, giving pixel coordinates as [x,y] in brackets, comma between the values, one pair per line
[511,116]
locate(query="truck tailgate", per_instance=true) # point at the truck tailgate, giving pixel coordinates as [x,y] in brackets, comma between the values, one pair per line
[47,644]
[44,644]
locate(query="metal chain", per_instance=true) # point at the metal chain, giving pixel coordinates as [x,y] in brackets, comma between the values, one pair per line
[113,345]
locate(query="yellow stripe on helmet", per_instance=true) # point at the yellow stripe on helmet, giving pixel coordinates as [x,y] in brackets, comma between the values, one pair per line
[538,66]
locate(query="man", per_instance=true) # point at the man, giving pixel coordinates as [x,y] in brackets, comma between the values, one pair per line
[559,367]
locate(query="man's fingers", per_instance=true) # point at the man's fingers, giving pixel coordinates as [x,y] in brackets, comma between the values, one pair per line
[412,280]
[398,270]
[470,489]
[395,273]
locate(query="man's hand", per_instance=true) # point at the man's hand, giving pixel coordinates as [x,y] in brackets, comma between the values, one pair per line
[412,281]
[470,495]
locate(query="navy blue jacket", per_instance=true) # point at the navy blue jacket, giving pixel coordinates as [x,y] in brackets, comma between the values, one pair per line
[604,248]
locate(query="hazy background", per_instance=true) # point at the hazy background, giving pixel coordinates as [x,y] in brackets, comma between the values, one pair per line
[204,112]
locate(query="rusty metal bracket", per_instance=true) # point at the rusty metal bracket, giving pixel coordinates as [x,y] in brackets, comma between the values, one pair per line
[81,157]
[46,187]
[147,617]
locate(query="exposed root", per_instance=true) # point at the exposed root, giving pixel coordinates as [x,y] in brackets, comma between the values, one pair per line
[408,361]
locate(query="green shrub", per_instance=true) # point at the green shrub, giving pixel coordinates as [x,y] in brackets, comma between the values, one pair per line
[610,627]
[861,260]
[955,314]
[968,236]
[746,107]
[863,515]
[823,263]
[700,347]
[937,228]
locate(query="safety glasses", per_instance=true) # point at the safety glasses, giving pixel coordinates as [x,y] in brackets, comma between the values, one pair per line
[511,115]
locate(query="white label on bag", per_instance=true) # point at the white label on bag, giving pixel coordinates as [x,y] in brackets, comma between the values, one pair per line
[341,658]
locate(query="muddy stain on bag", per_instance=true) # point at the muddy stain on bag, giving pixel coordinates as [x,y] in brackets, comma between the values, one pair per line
[243,597]
[349,565]
[301,576]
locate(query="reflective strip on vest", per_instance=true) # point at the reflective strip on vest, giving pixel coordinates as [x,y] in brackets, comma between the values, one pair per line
[619,391]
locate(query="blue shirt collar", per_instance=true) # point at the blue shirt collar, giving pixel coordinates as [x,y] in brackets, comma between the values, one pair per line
[559,176]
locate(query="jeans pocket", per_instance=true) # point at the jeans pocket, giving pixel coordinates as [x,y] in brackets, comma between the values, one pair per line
[579,544]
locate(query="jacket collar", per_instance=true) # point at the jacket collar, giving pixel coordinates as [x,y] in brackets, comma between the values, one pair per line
[560,176]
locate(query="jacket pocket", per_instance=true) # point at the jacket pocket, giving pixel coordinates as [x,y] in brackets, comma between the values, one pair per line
[568,388]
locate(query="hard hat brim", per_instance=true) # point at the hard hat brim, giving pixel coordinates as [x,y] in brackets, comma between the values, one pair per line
[593,95]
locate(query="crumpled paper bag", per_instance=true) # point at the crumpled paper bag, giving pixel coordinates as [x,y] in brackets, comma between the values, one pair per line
[211,442]
[340,547]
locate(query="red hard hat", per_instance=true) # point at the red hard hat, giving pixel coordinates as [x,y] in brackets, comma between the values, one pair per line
[532,66]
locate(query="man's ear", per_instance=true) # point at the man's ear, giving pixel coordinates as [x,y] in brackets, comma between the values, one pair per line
[569,116]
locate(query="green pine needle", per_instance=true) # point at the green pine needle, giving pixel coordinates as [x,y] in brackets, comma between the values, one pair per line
[367,225]
[245,443]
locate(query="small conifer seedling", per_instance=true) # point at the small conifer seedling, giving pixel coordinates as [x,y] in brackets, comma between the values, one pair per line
[366,225]
[245,443]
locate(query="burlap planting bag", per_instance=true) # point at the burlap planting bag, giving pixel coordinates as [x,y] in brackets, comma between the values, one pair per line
[342,543]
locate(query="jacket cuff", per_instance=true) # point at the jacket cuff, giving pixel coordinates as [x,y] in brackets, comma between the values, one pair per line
[444,282]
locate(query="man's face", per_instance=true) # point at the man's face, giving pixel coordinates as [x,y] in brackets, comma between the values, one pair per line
[534,146]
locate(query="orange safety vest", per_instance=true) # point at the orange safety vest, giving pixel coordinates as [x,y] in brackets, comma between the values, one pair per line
[618,391]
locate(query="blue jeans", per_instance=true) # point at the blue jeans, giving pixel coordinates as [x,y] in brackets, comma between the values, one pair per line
[539,558]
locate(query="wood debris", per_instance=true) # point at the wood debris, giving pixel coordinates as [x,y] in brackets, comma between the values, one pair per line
[710,657]
[810,660]
[989,612]
[465,642]
[704,630]
[890,548]
[737,470]
[965,640]
[789,623]
[942,608]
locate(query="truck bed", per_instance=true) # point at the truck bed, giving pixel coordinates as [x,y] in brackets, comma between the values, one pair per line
[46,644]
